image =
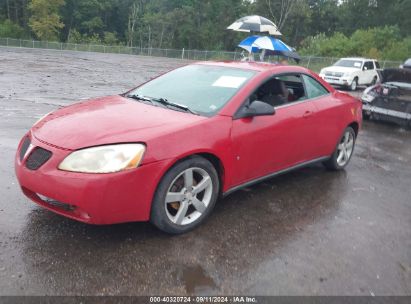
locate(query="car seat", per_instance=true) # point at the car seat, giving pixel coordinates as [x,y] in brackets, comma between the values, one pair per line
[274,92]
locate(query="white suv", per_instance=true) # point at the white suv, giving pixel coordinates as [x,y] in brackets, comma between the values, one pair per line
[351,72]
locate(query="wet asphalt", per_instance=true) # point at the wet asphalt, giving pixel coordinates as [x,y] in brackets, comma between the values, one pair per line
[309,232]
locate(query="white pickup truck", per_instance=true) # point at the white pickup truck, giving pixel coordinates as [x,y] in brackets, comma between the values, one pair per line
[352,72]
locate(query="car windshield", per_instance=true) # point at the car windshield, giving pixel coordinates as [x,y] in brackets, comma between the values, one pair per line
[202,89]
[349,63]
[408,62]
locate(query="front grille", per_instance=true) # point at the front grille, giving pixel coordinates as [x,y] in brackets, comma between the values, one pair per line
[335,74]
[24,147]
[37,158]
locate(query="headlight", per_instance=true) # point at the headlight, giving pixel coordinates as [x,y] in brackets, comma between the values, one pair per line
[104,159]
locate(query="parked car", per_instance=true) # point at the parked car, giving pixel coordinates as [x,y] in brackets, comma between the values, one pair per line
[390,100]
[406,65]
[351,72]
[166,150]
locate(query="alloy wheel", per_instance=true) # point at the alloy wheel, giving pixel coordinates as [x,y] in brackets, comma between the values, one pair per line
[345,149]
[188,196]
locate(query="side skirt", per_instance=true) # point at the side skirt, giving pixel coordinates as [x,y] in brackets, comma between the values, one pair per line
[271,175]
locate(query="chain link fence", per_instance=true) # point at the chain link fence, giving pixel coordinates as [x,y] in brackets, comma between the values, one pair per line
[311,62]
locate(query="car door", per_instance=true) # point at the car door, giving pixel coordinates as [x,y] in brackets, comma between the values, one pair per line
[368,72]
[266,144]
[327,126]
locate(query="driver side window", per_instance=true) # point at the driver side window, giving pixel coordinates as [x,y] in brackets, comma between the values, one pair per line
[281,90]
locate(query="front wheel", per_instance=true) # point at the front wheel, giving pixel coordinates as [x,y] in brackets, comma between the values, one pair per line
[342,154]
[185,196]
[354,84]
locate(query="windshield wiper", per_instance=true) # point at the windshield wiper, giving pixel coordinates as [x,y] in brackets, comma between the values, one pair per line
[140,97]
[167,103]
[162,101]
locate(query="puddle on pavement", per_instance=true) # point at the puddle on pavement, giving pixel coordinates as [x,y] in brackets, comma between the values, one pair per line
[196,281]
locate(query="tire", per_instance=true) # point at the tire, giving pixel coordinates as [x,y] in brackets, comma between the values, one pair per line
[340,159]
[185,196]
[374,81]
[354,84]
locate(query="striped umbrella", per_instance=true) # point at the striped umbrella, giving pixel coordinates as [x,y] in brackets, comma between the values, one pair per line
[248,44]
[255,24]
[272,46]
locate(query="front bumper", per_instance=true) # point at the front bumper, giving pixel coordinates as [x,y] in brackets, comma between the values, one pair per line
[337,81]
[92,198]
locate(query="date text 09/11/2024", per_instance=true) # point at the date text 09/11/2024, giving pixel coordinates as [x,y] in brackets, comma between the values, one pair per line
[204,299]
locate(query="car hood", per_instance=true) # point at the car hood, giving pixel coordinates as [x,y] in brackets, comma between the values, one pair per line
[107,120]
[396,75]
[340,69]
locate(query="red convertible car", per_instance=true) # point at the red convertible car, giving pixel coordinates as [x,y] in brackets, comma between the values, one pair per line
[167,150]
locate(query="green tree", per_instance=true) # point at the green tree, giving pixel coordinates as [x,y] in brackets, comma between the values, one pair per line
[380,43]
[11,30]
[45,20]
[324,16]
[349,27]
[110,38]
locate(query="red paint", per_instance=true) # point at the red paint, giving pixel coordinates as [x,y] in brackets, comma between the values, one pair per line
[247,148]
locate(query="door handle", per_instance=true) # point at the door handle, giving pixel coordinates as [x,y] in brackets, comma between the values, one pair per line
[307,114]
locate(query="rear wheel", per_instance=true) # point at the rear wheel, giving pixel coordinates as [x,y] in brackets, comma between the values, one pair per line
[343,152]
[185,196]
[374,81]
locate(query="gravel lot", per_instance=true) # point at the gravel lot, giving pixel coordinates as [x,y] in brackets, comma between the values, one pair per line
[310,232]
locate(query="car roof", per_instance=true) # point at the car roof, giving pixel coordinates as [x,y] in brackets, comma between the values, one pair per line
[358,58]
[255,66]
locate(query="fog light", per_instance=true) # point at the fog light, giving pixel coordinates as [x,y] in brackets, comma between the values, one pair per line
[54,203]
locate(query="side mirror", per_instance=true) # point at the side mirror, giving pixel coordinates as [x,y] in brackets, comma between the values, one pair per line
[365,68]
[256,108]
